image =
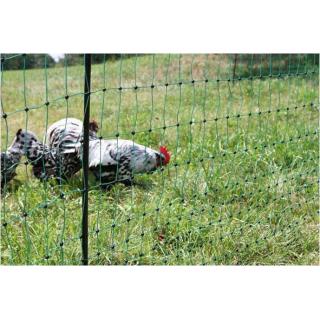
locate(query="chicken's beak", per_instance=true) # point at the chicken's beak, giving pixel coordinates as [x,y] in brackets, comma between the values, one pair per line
[160,159]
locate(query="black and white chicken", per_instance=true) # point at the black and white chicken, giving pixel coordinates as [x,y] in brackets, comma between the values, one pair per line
[46,162]
[109,160]
[10,160]
[62,136]
[118,160]
[65,133]
[43,160]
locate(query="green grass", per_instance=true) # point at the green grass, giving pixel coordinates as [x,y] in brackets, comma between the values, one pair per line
[241,187]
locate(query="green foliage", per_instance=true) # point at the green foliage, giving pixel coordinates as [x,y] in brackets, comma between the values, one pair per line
[36,61]
[26,61]
[264,65]
[77,59]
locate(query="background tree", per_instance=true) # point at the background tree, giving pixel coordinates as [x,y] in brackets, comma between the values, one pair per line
[11,61]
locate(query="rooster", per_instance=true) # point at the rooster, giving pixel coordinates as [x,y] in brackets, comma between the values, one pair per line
[118,160]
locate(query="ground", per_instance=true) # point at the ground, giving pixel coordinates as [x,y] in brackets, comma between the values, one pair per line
[241,187]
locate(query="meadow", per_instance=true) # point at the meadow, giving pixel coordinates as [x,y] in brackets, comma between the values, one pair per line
[242,184]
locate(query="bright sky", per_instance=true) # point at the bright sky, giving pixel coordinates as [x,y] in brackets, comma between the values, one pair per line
[56,56]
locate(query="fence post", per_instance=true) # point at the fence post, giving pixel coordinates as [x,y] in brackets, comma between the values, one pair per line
[234,68]
[85,157]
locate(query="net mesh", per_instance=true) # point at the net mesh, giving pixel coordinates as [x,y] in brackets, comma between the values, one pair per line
[242,183]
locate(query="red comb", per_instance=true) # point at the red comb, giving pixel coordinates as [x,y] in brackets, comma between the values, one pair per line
[166,154]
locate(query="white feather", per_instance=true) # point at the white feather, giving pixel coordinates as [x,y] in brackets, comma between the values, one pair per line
[99,153]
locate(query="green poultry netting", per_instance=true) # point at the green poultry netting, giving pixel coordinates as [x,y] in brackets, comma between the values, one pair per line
[241,186]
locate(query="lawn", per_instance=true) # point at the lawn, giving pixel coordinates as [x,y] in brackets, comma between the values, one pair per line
[242,184]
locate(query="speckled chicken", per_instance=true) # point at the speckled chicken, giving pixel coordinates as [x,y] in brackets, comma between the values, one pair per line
[10,160]
[67,132]
[43,160]
[109,160]
[118,160]
[62,136]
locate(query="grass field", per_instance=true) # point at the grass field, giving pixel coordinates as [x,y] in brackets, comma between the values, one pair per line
[242,184]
